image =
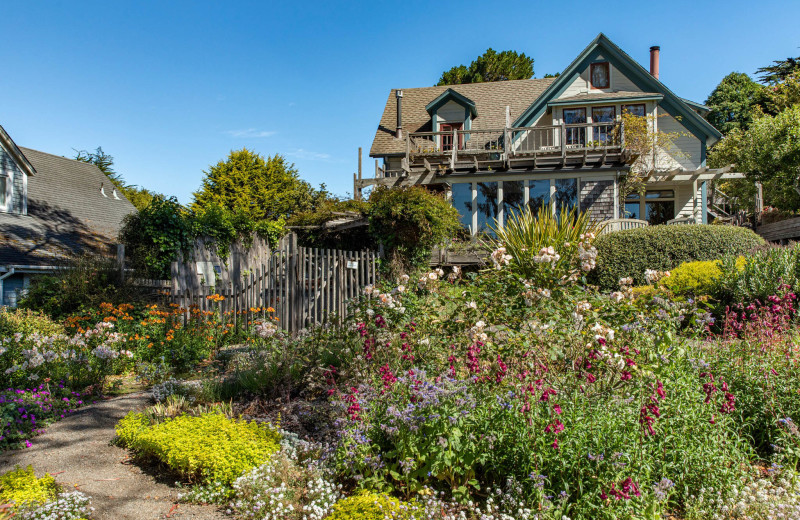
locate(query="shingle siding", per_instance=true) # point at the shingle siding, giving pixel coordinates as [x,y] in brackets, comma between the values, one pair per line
[597,197]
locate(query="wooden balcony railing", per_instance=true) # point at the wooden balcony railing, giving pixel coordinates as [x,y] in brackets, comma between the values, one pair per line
[543,145]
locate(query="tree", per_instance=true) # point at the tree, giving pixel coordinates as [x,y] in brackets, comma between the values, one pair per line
[779,70]
[733,102]
[262,189]
[768,152]
[490,66]
[138,196]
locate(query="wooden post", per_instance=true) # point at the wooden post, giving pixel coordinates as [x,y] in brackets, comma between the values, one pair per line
[357,187]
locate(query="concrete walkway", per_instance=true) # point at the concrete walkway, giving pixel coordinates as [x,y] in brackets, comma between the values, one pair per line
[77,452]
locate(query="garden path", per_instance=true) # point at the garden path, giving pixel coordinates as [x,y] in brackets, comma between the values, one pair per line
[78,453]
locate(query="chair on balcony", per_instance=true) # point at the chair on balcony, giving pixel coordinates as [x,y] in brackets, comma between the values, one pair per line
[621,224]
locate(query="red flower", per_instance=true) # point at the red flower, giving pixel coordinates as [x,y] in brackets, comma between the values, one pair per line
[625,376]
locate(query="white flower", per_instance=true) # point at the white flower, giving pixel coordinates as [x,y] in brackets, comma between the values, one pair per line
[472,305]
[404,278]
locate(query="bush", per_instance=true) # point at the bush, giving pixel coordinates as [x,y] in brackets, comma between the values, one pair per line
[693,278]
[25,413]
[410,221]
[758,276]
[208,448]
[22,488]
[24,321]
[373,506]
[544,247]
[663,248]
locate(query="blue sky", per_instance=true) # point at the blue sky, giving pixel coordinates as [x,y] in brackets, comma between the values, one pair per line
[170,87]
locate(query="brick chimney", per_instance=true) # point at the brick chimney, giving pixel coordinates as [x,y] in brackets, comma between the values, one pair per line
[655,50]
[399,95]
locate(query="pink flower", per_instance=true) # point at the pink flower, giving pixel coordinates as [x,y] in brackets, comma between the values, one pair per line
[28,444]
[557,408]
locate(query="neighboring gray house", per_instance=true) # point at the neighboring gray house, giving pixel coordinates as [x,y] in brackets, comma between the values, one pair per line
[496,147]
[51,208]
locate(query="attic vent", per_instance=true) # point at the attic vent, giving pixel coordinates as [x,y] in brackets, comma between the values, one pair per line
[102,190]
[114,194]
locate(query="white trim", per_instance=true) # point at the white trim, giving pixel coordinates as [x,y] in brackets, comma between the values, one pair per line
[24,193]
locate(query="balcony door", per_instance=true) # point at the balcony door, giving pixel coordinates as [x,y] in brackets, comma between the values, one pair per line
[576,135]
[447,139]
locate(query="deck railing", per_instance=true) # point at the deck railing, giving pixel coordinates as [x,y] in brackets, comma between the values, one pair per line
[514,142]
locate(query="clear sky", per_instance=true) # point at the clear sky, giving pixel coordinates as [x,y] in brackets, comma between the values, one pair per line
[170,87]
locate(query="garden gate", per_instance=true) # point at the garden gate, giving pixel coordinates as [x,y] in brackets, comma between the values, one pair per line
[296,286]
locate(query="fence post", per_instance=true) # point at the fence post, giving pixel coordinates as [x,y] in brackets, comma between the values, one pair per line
[121,262]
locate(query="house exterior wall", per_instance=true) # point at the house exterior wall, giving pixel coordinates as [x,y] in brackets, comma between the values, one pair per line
[686,152]
[11,288]
[581,84]
[685,201]
[597,197]
[450,112]
[15,179]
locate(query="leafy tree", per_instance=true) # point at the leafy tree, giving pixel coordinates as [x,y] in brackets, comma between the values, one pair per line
[768,152]
[779,71]
[733,102]
[262,189]
[138,196]
[490,66]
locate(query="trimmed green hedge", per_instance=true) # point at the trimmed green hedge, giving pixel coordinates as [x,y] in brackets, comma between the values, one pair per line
[631,252]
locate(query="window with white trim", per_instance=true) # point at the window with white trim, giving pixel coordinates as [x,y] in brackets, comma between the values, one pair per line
[5,189]
[656,207]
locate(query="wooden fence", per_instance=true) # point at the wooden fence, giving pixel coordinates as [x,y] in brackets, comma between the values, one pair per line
[300,286]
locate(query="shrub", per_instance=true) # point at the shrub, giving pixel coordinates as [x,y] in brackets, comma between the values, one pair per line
[22,488]
[758,276]
[374,506]
[25,413]
[547,247]
[693,278]
[663,248]
[24,321]
[208,448]
[409,221]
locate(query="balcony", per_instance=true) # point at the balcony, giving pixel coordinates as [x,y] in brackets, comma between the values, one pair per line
[590,145]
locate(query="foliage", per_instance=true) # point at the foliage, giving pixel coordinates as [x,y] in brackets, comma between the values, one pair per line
[326,211]
[79,283]
[261,189]
[24,321]
[544,247]
[693,278]
[410,221]
[208,448]
[760,275]
[663,248]
[369,506]
[647,148]
[25,412]
[21,487]
[155,235]
[490,66]
[158,234]
[779,70]
[733,102]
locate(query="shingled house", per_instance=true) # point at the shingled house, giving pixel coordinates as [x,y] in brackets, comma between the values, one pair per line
[496,147]
[51,208]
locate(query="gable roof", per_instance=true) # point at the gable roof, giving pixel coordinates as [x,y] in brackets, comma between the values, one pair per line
[490,100]
[13,150]
[602,45]
[451,95]
[67,214]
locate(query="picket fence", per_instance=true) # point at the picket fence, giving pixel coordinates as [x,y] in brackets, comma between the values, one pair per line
[295,287]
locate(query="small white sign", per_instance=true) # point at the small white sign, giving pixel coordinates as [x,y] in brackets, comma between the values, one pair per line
[352,264]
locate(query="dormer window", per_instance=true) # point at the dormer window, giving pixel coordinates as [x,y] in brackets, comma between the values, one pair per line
[599,75]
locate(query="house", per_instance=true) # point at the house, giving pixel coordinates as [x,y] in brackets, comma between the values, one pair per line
[51,208]
[496,147]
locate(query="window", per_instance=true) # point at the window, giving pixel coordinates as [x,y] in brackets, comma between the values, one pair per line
[599,75]
[462,201]
[447,139]
[513,198]
[487,205]
[566,195]
[538,194]
[635,110]
[603,134]
[3,191]
[657,206]
[576,135]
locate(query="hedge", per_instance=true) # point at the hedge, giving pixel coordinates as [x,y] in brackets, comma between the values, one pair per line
[631,252]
